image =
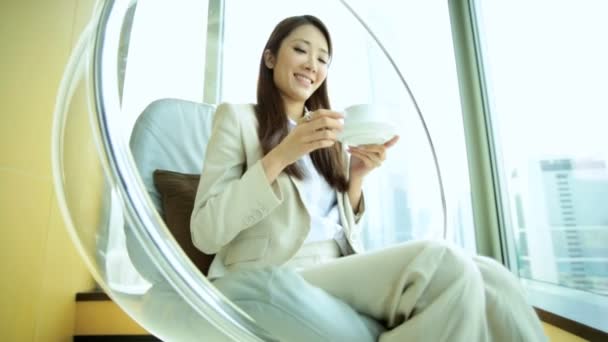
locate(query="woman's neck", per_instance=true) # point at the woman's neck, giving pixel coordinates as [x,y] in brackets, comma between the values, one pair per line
[294,110]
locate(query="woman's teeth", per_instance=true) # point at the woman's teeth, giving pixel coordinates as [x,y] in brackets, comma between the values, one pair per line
[304,79]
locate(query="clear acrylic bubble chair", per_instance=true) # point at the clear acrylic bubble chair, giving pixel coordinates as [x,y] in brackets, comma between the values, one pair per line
[138,95]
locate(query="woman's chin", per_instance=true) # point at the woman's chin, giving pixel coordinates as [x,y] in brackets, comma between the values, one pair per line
[301,96]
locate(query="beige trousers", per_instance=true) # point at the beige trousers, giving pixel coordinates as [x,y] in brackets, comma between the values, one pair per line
[431,291]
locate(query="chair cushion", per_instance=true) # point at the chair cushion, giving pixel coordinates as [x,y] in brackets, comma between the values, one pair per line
[177,192]
[170,134]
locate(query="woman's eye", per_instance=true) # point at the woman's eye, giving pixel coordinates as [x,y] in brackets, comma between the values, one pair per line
[297,49]
[322,61]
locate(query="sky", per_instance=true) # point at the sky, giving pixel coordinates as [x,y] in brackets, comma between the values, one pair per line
[547,66]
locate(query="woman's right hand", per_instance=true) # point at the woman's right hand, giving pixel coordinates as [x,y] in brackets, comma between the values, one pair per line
[321,131]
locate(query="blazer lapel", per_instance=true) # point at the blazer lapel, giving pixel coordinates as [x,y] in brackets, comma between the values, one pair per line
[299,186]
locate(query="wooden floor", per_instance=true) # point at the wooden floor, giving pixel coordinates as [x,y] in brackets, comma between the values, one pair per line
[102,317]
[558,335]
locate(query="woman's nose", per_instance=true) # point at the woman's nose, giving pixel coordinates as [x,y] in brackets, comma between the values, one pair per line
[311,64]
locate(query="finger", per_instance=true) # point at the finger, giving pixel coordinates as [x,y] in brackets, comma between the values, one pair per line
[320,113]
[325,122]
[321,135]
[318,144]
[371,148]
[367,159]
[369,162]
[381,156]
[305,118]
[375,157]
[379,153]
[391,142]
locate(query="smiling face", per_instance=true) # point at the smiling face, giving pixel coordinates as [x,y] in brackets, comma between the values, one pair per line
[300,66]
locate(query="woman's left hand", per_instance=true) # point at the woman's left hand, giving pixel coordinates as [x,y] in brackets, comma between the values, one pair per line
[365,158]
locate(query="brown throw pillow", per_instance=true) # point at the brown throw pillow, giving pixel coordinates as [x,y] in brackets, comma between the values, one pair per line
[177,191]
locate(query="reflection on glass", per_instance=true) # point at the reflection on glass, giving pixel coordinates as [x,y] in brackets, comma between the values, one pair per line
[561,226]
[546,77]
[95,206]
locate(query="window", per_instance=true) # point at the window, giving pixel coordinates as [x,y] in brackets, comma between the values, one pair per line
[546,66]
[153,65]
[164,61]
[403,197]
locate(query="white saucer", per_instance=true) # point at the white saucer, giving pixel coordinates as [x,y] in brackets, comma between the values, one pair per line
[367,133]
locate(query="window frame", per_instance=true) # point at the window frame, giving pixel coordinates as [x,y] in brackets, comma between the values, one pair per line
[214,52]
[479,143]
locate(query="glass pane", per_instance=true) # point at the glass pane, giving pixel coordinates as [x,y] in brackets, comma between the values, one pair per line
[546,82]
[150,69]
[402,197]
[164,61]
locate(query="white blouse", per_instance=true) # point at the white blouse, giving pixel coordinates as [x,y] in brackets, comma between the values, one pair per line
[321,202]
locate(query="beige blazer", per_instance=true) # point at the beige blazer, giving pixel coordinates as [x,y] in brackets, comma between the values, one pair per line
[238,215]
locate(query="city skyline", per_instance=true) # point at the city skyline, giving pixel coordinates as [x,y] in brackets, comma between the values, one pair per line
[559,225]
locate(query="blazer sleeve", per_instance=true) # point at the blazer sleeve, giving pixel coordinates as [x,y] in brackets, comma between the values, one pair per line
[351,223]
[224,205]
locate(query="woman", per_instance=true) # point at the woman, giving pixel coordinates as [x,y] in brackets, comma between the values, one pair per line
[280,200]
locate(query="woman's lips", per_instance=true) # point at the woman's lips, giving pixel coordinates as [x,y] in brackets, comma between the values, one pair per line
[303,80]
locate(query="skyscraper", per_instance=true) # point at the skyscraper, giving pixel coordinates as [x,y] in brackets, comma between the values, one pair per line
[561,222]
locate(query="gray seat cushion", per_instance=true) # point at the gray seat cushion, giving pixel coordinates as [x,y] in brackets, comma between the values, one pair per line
[170,134]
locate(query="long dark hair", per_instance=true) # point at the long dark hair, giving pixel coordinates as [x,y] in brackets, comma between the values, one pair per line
[270,109]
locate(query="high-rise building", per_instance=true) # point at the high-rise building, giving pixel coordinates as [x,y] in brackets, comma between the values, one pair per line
[561,222]
[388,218]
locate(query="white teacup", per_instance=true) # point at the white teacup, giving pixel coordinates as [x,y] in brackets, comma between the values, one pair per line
[366,124]
[361,113]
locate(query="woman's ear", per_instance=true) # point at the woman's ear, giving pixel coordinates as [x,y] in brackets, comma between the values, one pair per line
[269,59]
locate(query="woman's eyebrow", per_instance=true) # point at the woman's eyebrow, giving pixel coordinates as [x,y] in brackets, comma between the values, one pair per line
[309,44]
